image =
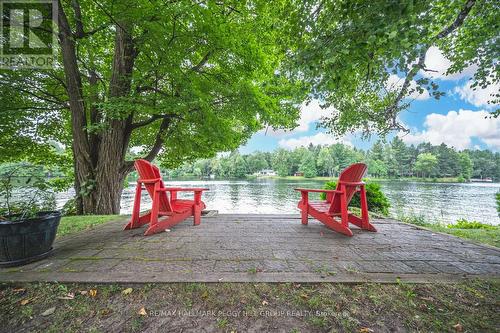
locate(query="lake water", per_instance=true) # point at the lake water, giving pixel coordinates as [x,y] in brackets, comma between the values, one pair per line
[435,201]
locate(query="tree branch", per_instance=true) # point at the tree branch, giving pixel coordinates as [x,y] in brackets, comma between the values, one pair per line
[202,62]
[391,111]
[458,21]
[155,149]
[149,88]
[143,123]
[158,141]
[78,18]
[80,31]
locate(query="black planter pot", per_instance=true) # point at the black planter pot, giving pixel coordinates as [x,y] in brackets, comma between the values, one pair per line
[25,241]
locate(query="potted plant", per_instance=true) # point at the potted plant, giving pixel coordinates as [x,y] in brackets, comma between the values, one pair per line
[28,221]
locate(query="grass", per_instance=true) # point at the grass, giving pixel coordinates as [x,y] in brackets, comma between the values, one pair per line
[472,230]
[72,224]
[226,307]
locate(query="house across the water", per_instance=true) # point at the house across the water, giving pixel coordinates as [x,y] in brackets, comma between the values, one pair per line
[266,172]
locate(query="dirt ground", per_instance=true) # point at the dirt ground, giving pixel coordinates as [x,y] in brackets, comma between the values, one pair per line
[471,306]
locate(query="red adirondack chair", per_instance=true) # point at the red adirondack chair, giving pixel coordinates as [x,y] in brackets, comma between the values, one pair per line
[337,202]
[176,210]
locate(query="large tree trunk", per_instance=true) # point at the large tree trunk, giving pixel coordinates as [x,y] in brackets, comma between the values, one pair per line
[99,162]
[82,162]
[110,172]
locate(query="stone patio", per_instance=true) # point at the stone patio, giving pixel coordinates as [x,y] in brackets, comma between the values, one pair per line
[260,248]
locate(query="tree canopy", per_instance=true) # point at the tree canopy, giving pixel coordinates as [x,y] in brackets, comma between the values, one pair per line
[202,74]
[179,80]
[350,49]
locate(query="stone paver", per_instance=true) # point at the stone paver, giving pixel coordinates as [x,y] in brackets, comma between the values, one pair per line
[267,248]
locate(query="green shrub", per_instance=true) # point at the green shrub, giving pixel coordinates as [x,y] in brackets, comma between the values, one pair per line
[498,203]
[464,224]
[419,220]
[69,208]
[33,192]
[377,201]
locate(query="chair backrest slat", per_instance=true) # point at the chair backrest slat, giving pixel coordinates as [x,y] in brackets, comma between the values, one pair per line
[146,170]
[353,173]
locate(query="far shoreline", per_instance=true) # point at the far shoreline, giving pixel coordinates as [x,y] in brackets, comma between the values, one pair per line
[446,180]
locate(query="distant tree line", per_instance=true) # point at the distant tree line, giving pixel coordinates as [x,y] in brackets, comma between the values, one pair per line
[394,159]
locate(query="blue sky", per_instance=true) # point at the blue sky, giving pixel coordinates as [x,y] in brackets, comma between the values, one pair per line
[458,119]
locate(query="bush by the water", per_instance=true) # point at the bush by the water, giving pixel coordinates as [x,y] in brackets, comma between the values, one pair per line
[377,201]
[464,224]
[498,203]
[69,208]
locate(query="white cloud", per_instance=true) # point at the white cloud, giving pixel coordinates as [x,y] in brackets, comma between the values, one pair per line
[438,64]
[478,97]
[309,114]
[395,82]
[317,139]
[458,128]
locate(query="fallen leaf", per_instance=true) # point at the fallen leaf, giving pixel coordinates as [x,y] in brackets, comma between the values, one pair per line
[205,294]
[105,312]
[127,291]
[305,296]
[93,292]
[142,312]
[83,292]
[365,330]
[25,301]
[68,296]
[458,328]
[49,311]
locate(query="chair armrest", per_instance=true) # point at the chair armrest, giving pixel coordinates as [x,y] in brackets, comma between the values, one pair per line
[185,189]
[317,190]
[197,192]
[148,181]
[352,183]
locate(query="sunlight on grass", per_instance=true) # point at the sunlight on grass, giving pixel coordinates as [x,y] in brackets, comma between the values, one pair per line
[72,224]
[472,230]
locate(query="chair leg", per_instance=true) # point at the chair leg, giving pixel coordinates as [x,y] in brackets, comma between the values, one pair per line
[304,210]
[135,219]
[197,215]
[164,224]
[344,214]
[331,223]
[155,208]
[304,216]
[365,222]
